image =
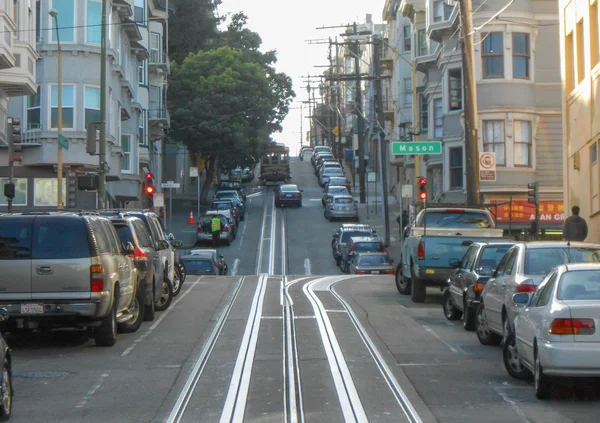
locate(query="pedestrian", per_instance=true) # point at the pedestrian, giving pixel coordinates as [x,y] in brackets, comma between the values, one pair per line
[215,227]
[403,222]
[575,228]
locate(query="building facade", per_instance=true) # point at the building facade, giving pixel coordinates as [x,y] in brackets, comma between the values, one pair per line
[518,101]
[580,68]
[133,120]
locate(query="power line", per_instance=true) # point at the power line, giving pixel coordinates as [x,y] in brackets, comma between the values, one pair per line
[82,26]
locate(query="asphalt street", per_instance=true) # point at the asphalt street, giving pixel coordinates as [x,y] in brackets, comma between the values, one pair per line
[285,338]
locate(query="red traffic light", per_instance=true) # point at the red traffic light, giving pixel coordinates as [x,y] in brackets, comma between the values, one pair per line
[149,176]
[149,189]
[422,181]
[422,196]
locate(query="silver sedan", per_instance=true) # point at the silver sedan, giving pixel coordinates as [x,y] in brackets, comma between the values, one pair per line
[341,207]
[556,332]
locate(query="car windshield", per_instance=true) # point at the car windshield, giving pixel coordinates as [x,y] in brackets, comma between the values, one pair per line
[195,265]
[491,256]
[368,247]
[539,261]
[377,260]
[579,285]
[221,206]
[445,219]
[288,188]
[225,195]
[349,234]
[338,190]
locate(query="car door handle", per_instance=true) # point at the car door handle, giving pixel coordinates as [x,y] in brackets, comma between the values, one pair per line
[120,266]
[44,270]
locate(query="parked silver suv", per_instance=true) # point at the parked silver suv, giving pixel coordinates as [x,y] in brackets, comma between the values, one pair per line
[65,270]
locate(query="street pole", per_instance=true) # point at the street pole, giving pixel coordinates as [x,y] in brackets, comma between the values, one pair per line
[382,146]
[470,104]
[416,126]
[338,100]
[361,124]
[170,209]
[102,143]
[59,157]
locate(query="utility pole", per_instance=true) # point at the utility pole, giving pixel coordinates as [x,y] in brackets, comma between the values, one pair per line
[338,100]
[102,169]
[327,84]
[470,103]
[382,146]
[361,124]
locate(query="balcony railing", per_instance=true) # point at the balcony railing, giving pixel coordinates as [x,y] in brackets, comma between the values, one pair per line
[158,59]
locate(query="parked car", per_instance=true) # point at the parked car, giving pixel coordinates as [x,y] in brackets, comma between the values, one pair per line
[6,387]
[331,191]
[339,181]
[521,270]
[466,282]
[227,205]
[204,231]
[556,331]
[342,235]
[341,207]
[238,186]
[357,245]
[372,264]
[247,175]
[228,215]
[328,173]
[288,194]
[216,257]
[66,270]
[232,195]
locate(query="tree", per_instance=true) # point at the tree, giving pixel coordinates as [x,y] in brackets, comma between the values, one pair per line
[225,104]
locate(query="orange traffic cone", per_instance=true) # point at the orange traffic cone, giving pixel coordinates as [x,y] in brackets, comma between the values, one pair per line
[191,219]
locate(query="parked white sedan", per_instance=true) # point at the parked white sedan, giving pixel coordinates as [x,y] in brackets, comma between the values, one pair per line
[556,332]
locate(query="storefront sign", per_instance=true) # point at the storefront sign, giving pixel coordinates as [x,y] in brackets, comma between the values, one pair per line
[551,211]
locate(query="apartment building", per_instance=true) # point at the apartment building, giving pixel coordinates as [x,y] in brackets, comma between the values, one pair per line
[135,114]
[580,69]
[18,58]
[518,98]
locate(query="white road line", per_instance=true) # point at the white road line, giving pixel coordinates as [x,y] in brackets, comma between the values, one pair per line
[261,240]
[350,402]
[307,267]
[234,270]
[161,318]
[314,199]
[273,240]
[514,406]
[235,403]
[89,394]
[439,338]
[256,194]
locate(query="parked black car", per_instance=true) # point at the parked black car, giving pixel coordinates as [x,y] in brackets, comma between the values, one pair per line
[466,282]
[288,194]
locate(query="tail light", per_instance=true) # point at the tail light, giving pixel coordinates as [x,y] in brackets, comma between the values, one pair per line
[421,251]
[360,272]
[296,195]
[281,196]
[226,228]
[331,207]
[96,278]
[390,272]
[355,207]
[138,254]
[200,229]
[572,327]
[478,287]
[525,287]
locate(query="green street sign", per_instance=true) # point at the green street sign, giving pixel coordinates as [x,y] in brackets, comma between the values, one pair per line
[63,142]
[418,147]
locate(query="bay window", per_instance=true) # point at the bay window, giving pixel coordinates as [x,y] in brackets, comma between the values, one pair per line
[66,14]
[34,111]
[92,105]
[140,11]
[438,112]
[456,168]
[521,55]
[127,159]
[407,37]
[492,54]
[438,10]
[522,143]
[423,113]
[68,106]
[94,22]
[142,128]
[408,92]
[493,139]
[455,89]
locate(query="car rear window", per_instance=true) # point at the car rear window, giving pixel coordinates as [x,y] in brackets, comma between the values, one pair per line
[445,219]
[142,234]
[372,260]
[539,261]
[368,247]
[59,238]
[221,206]
[125,234]
[338,190]
[193,265]
[579,285]
[491,256]
[15,238]
[288,188]
[343,200]
[347,235]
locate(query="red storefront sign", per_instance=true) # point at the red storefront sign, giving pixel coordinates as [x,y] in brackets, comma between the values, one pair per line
[524,212]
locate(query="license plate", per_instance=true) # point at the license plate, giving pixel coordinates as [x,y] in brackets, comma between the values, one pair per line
[32,308]
[429,271]
[288,195]
[375,272]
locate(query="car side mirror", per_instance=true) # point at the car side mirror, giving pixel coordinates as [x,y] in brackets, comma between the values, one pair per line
[454,263]
[177,244]
[485,271]
[3,314]
[129,249]
[221,256]
[161,244]
[522,298]
[171,237]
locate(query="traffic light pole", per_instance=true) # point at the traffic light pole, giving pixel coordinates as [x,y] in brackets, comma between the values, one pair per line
[102,142]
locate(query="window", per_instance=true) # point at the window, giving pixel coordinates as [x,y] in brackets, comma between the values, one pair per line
[424,113]
[155,102]
[520,55]
[408,91]
[66,17]
[142,72]
[469,258]
[492,54]
[59,238]
[127,159]
[403,130]
[16,239]
[456,168]
[407,37]
[455,89]
[155,50]
[594,175]
[92,105]
[438,120]
[68,106]
[579,50]
[438,10]
[571,75]
[45,191]
[493,139]
[34,110]
[594,36]
[140,11]
[523,142]
[422,38]
[142,128]
[20,192]
[94,22]
[37,20]
[16,18]
[504,263]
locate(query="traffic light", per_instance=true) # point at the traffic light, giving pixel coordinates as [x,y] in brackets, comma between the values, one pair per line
[532,193]
[13,135]
[422,188]
[149,189]
[533,228]
[91,138]
[9,190]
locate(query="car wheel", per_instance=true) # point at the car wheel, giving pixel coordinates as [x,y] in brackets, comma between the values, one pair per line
[166,296]
[177,284]
[418,290]
[137,310]
[484,333]
[7,392]
[451,312]
[149,310]
[342,266]
[541,382]
[510,355]
[468,317]
[106,334]
[402,284]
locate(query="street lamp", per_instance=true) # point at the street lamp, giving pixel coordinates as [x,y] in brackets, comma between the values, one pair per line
[54,14]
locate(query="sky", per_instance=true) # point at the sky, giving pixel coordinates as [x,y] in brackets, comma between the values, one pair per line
[286,26]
